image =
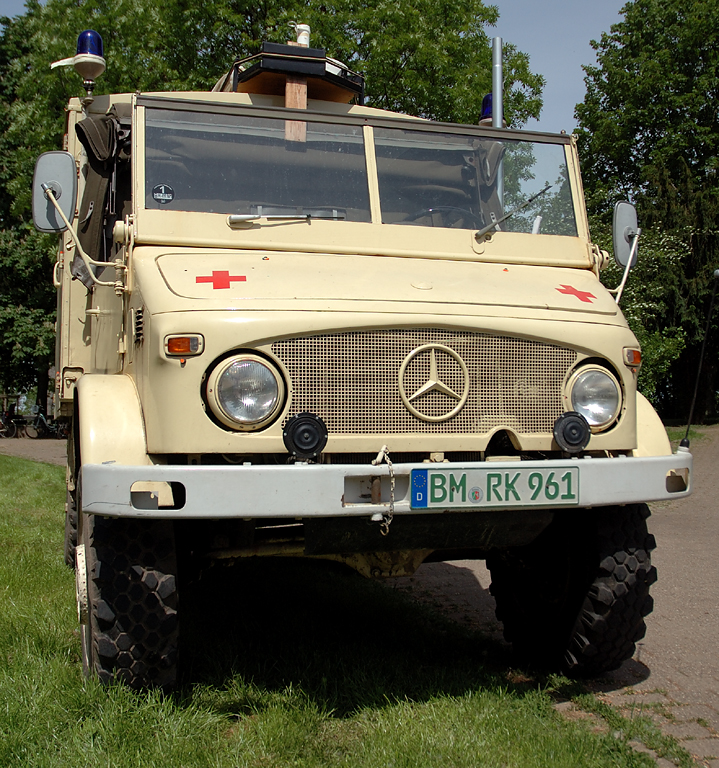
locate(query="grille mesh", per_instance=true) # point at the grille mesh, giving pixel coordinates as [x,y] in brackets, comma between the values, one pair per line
[351,380]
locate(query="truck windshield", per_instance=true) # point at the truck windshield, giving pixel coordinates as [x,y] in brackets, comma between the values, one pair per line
[218,163]
[235,164]
[451,180]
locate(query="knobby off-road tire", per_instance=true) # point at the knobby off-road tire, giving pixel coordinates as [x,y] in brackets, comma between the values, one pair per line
[130,629]
[576,598]
[70,528]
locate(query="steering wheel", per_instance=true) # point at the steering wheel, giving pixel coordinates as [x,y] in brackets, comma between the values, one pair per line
[443,209]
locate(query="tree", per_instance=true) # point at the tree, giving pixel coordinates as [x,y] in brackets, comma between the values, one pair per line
[427,57]
[27,302]
[649,301]
[649,132]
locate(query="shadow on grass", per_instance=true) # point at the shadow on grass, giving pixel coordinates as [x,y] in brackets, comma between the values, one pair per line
[345,642]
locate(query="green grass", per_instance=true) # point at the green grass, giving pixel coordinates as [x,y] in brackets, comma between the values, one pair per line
[286,664]
[640,727]
[676,435]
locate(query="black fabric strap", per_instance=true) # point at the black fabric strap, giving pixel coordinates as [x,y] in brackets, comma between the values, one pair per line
[98,134]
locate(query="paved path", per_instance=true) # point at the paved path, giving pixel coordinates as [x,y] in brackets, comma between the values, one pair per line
[49,450]
[676,667]
[674,675]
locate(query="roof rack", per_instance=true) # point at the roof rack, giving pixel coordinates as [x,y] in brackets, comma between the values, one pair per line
[267,72]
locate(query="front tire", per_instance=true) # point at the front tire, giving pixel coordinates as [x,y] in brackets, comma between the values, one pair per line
[576,598]
[70,528]
[129,622]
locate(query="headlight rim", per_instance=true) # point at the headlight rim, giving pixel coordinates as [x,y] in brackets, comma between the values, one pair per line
[570,405]
[218,410]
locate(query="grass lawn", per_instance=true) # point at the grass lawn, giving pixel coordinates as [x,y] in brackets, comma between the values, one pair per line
[676,434]
[285,664]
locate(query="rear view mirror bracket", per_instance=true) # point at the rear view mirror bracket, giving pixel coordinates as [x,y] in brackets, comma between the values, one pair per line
[625,234]
[57,171]
[54,195]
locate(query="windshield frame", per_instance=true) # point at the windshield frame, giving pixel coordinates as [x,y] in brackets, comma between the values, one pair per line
[355,116]
[399,121]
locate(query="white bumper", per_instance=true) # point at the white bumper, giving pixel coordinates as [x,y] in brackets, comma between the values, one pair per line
[312,490]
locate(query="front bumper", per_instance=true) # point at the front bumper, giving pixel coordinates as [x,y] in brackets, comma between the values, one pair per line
[326,490]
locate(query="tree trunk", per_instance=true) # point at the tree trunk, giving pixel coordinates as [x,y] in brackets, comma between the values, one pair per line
[42,387]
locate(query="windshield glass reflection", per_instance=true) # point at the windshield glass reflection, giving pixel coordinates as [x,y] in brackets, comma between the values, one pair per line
[466,182]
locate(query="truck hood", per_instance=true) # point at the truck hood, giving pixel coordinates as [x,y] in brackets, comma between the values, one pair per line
[214,280]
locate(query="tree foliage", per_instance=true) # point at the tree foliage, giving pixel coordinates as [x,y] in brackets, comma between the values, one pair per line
[649,125]
[653,304]
[649,132]
[426,57]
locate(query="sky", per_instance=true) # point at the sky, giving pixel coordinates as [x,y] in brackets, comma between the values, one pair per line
[554,33]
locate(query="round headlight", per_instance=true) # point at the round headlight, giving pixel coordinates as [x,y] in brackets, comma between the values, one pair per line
[595,393]
[245,392]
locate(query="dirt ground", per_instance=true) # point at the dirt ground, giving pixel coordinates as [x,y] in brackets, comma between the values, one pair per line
[674,675]
[50,451]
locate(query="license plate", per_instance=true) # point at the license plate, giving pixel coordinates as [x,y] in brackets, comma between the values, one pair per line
[459,488]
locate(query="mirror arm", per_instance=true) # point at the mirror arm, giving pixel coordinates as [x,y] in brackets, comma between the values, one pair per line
[118,285]
[618,291]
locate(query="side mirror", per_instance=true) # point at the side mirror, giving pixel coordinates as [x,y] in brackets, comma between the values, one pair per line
[624,232]
[56,170]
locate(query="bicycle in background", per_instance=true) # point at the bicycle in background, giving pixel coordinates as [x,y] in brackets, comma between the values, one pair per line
[41,427]
[8,428]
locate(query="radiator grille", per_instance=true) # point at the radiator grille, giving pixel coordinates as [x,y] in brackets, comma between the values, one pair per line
[351,380]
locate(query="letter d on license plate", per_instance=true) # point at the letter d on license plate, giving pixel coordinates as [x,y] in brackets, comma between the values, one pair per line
[493,488]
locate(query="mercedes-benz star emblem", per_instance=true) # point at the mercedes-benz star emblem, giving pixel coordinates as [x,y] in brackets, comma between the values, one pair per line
[433,383]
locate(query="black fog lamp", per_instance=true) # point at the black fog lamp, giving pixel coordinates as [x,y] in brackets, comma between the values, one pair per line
[572,432]
[305,436]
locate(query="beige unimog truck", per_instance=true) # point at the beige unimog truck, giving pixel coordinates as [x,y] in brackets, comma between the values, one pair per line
[293,326]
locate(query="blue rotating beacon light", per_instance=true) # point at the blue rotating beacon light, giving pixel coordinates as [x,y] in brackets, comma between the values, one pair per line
[88,60]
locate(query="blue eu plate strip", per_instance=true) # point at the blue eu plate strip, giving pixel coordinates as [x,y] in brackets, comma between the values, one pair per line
[419,489]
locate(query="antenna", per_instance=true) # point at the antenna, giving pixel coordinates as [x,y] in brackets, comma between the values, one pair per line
[88,60]
[497,84]
[685,442]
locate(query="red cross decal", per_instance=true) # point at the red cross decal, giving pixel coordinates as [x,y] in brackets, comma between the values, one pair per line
[221,279]
[581,295]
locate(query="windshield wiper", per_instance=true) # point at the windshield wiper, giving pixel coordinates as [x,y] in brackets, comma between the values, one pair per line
[299,214]
[482,232]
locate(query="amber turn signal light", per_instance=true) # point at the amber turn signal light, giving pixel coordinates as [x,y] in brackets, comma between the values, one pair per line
[184,345]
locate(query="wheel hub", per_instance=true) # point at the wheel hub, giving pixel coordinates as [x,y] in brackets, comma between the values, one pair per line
[81,584]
